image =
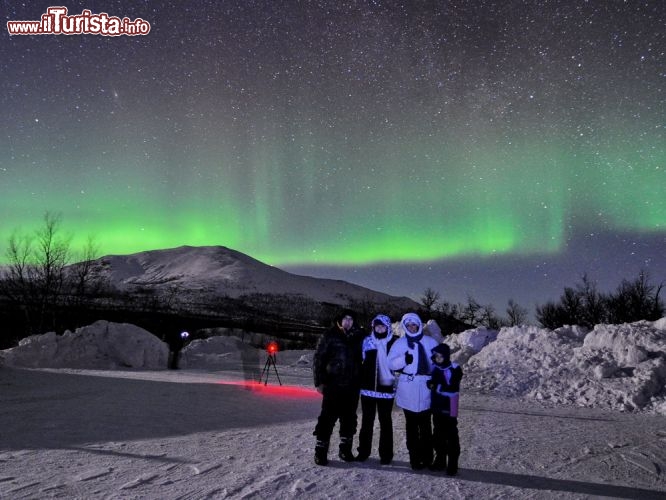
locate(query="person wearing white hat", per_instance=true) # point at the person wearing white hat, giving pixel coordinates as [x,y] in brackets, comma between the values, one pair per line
[411,357]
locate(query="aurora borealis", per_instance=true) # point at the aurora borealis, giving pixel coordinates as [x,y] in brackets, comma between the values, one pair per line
[352,139]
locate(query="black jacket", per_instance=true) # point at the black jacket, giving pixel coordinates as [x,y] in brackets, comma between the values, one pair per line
[443,389]
[337,359]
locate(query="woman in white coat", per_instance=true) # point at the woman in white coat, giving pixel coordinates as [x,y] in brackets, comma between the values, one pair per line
[410,356]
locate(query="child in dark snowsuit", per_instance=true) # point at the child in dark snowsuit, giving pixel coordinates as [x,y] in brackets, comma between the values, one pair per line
[445,387]
[377,390]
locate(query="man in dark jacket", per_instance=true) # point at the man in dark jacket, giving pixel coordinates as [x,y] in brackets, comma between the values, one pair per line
[336,370]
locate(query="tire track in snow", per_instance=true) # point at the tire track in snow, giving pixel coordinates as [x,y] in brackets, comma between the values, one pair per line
[139,481]
[93,474]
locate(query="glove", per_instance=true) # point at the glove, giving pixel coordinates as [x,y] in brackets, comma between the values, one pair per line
[409,358]
[320,388]
[430,385]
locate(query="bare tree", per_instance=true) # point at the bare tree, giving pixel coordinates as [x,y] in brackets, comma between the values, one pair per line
[470,312]
[448,309]
[37,279]
[633,301]
[429,299]
[658,307]
[516,314]
[636,300]
[488,318]
[594,303]
[80,273]
[549,315]
[35,275]
[17,284]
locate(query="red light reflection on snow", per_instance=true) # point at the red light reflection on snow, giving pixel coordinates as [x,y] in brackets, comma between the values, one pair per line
[282,391]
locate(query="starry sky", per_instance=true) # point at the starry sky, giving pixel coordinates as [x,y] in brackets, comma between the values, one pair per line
[493,148]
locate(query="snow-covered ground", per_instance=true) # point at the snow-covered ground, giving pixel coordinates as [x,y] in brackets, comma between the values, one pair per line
[112,426]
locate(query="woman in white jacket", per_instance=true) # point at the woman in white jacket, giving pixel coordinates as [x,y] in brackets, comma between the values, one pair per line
[410,356]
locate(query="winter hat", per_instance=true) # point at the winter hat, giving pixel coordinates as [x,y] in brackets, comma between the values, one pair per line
[412,318]
[343,313]
[442,349]
[381,319]
[414,340]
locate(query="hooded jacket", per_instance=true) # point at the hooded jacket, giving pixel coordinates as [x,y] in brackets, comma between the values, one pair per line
[373,349]
[412,392]
[337,359]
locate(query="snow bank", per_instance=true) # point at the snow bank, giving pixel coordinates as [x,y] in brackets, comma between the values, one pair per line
[629,361]
[620,367]
[432,329]
[660,324]
[466,344]
[102,345]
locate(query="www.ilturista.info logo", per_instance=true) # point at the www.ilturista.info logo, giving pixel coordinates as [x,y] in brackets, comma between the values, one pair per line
[56,22]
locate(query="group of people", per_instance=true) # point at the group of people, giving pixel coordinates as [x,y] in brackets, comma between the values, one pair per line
[414,370]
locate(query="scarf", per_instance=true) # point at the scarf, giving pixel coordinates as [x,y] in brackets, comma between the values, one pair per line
[422,367]
[385,374]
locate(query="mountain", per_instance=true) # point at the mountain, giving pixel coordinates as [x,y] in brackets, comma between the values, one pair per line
[219,271]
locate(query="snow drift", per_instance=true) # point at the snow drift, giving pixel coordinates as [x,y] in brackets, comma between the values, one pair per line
[468,343]
[619,367]
[102,345]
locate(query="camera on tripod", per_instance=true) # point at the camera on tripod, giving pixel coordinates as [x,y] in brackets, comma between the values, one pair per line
[272,350]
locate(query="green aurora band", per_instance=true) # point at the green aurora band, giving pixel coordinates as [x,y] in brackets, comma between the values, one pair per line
[340,201]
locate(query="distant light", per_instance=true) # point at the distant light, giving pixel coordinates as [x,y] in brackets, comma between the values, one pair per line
[272,348]
[184,335]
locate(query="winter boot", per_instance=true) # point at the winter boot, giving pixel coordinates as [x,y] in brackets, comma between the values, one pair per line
[363,454]
[321,452]
[346,449]
[439,464]
[452,466]
[415,462]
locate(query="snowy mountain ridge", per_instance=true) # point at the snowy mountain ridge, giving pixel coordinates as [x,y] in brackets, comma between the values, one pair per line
[221,271]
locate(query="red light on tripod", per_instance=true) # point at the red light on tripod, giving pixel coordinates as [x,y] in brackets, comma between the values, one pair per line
[272,348]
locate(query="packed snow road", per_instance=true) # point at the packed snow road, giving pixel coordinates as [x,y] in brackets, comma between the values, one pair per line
[194,434]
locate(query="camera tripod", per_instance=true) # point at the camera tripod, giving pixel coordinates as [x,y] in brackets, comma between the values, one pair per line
[267,366]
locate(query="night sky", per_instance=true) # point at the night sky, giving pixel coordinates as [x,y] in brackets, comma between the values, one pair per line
[493,148]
